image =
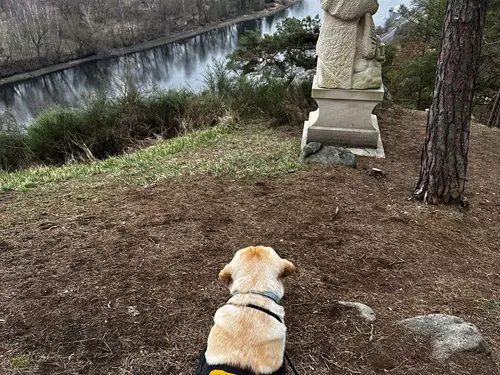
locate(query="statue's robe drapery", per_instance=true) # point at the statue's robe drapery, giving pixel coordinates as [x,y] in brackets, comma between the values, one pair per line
[347,43]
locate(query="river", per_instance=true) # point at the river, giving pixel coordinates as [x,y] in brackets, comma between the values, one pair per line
[179,64]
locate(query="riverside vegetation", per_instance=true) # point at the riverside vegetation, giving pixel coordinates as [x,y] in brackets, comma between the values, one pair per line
[105,126]
[256,83]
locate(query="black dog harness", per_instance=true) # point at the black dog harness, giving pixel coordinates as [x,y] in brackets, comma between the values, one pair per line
[260,309]
[206,369]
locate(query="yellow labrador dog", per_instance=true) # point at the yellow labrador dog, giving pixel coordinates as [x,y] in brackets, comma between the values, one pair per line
[248,336]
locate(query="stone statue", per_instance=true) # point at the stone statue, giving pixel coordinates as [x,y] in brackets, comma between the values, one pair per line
[350,54]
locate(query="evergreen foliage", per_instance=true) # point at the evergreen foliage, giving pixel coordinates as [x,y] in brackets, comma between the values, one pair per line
[293,45]
[410,74]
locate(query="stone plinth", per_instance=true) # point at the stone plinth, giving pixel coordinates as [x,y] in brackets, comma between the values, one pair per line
[344,118]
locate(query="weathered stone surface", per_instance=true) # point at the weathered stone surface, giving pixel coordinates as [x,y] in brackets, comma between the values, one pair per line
[350,53]
[331,155]
[365,311]
[310,148]
[344,118]
[450,334]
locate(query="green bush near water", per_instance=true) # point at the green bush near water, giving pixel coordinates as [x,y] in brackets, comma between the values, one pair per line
[269,98]
[13,150]
[105,127]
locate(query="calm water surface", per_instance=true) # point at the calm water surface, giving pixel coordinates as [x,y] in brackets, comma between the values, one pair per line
[180,64]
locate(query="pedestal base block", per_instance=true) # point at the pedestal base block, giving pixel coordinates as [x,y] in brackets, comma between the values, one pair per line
[344,119]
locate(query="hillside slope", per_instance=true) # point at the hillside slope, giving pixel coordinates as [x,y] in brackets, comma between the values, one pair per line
[75,255]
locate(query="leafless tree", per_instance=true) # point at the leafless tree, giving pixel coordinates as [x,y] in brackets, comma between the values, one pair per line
[34,24]
[56,30]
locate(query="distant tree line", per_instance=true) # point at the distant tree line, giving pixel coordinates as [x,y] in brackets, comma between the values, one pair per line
[35,33]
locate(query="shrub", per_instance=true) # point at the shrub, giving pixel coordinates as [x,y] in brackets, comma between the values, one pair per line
[14,154]
[67,134]
[261,95]
[219,81]
[106,127]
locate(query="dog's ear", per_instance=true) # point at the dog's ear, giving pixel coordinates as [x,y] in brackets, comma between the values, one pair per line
[287,268]
[226,274]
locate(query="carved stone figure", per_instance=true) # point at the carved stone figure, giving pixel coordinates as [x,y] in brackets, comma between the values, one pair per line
[350,53]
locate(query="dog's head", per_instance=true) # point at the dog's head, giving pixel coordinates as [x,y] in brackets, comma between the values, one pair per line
[256,268]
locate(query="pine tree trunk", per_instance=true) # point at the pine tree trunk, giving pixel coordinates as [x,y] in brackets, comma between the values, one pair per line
[444,155]
[494,121]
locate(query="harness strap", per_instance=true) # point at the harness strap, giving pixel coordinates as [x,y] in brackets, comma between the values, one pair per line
[260,309]
[291,364]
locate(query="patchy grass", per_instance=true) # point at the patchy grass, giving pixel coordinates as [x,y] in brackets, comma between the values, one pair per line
[20,363]
[128,166]
[222,151]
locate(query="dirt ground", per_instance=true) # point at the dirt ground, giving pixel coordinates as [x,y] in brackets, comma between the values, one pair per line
[73,262]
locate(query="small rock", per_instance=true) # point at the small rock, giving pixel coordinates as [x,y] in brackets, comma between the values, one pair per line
[132,310]
[365,311]
[311,148]
[331,155]
[450,334]
[376,172]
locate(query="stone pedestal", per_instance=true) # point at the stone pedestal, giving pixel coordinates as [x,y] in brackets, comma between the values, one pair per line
[344,118]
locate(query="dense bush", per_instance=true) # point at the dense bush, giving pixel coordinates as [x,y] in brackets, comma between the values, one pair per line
[274,100]
[278,100]
[13,150]
[107,127]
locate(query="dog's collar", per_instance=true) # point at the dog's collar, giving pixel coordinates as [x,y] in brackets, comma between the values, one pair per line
[270,295]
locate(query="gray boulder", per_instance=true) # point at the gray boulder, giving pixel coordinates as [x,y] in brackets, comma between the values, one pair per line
[327,155]
[311,148]
[364,311]
[450,334]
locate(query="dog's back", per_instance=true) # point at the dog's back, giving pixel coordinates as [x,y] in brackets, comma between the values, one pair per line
[249,334]
[246,337]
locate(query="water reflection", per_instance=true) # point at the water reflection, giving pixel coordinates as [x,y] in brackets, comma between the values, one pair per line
[180,64]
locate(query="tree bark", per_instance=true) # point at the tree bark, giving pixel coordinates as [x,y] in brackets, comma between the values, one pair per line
[494,120]
[444,156]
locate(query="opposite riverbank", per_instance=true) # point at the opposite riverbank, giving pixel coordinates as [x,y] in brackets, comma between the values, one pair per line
[143,46]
